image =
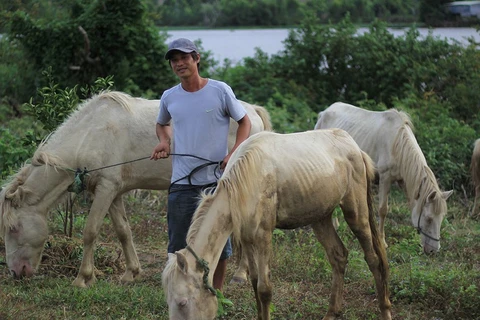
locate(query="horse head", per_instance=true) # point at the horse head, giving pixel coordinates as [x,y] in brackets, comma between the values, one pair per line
[24,231]
[429,209]
[23,222]
[187,296]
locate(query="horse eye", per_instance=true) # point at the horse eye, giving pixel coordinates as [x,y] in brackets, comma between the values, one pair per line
[182,302]
[13,230]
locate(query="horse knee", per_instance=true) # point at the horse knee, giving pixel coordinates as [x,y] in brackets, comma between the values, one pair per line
[89,236]
[265,292]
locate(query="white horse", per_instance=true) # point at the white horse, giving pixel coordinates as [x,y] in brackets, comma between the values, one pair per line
[279,181]
[388,139]
[475,176]
[111,128]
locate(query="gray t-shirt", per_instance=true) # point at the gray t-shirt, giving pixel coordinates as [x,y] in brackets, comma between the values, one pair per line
[201,121]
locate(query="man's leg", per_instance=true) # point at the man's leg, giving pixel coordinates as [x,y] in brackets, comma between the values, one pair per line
[220,274]
[182,202]
[221,270]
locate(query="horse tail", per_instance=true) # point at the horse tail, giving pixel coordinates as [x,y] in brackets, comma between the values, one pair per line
[378,245]
[265,116]
[475,165]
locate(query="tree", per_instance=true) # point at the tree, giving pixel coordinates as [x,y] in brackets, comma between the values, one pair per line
[98,39]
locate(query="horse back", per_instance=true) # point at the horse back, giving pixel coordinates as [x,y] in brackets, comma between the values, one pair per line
[374,131]
[291,170]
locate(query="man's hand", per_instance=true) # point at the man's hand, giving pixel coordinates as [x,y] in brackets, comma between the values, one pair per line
[224,162]
[161,151]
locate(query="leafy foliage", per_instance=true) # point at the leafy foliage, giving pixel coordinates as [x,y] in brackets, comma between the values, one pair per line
[99,38]
[53,109]
[57,104]
[433,79]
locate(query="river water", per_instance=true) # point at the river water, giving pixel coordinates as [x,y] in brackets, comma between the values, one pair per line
[238,44]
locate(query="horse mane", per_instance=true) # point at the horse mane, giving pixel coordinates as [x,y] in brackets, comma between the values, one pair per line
[475,164]
[87,109]
[238,182]
[168,273]
[11,195]
[418,178]
[121,98]
[206,199]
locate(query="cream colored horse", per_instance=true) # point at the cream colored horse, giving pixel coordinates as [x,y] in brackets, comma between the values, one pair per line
[388,139]
[279,181]
[475,176]
[110,128]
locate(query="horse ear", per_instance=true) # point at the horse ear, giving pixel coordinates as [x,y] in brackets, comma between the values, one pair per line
[446,194]
[431,196]
[14,196]
[182,262]
[21,195]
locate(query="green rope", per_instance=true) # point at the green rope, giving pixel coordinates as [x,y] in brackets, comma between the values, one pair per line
[78,184]
[206,270]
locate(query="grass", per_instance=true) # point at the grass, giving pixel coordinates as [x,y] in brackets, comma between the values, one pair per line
[440,287]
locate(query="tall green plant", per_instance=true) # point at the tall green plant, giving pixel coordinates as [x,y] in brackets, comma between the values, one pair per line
[57,104]
[100,38]
[52,108]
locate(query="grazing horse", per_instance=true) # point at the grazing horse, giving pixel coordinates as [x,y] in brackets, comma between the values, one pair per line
[279,181]
[387,137]
[109,129]
[475,176]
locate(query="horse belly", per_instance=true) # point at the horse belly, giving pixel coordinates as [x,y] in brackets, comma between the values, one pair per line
[301,211]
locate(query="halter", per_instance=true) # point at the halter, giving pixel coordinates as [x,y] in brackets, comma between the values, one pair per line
[206,270]
[419,230]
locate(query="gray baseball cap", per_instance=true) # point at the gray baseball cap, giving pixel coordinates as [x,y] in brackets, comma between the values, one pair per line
[181,44]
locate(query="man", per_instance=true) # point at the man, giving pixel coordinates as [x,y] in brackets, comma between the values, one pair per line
[200,111]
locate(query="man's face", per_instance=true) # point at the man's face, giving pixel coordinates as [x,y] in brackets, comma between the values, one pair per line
[183,64]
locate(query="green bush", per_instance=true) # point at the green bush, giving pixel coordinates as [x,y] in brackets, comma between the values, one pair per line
[100,38]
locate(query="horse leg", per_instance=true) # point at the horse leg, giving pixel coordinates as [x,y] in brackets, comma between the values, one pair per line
[337,256]
[261,283]
[374,253]
[240,275]
[103,199]
[383,191]
[476,203]
[247,250]
[122,228]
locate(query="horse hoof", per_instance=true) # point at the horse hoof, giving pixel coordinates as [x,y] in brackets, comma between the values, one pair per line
[238,280]
[130,276]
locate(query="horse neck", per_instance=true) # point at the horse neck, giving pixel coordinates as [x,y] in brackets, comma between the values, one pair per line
[215,227]
[412,165]
[48,184]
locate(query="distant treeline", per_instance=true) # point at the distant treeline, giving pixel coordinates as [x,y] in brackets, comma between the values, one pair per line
[257,13]
[234,13]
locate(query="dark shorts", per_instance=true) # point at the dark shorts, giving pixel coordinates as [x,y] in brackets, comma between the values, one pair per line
[182,202]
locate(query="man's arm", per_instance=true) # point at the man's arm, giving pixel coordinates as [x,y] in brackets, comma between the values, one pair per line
[162,149]
[243,132]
